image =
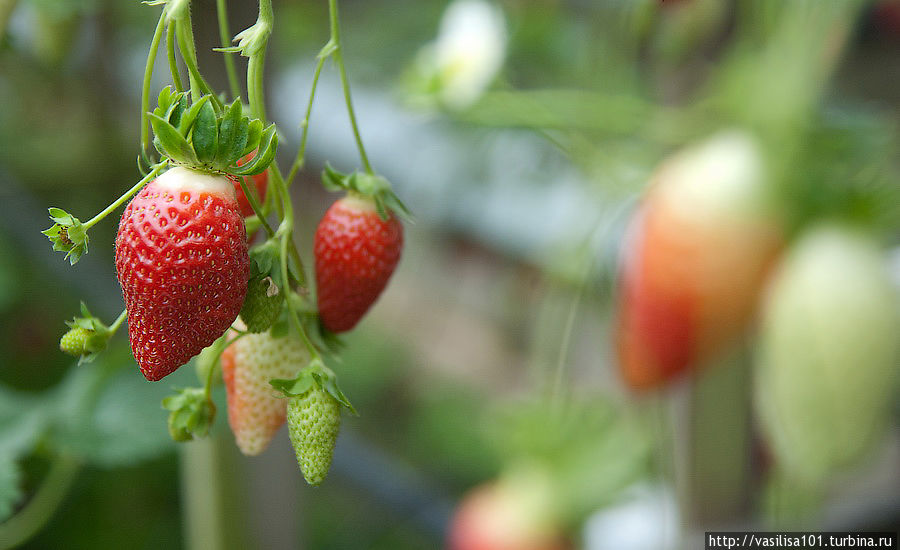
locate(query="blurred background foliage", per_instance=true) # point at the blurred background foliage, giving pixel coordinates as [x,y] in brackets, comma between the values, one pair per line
[500,311]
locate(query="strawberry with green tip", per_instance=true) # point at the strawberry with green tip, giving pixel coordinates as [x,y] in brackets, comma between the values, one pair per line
[255,409]
[87,336]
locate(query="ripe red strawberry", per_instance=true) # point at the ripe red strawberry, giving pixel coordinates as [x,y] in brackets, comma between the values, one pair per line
[697,253]
[259,181]
[255,409]
[181,259]
[356,252]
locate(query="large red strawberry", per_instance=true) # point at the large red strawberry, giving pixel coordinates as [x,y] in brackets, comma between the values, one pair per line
[696,255]
[255,409]
[260,182]
[356,252]
[181,259]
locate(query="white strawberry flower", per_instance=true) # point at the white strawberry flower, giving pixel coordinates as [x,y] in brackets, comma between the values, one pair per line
[468,52]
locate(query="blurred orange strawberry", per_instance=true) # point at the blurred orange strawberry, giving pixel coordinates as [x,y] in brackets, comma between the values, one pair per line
[696,255]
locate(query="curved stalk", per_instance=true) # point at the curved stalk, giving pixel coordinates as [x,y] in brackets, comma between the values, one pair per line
[148,75]
[173,64]
[125,196]
[301,152]
[225,37]
[345,84]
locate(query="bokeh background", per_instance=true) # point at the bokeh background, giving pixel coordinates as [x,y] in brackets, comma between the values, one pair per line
[522,134]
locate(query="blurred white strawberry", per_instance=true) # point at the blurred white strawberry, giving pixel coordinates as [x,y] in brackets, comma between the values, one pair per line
[827,366]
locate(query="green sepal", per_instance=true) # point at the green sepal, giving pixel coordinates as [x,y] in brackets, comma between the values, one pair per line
[67,235]
[254,133]
[368,185]
[233,133]
[317,375]
[171,143]
[191,415]
[205,135]
[268,142]
[185,122]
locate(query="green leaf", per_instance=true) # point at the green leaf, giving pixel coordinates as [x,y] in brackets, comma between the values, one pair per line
[205,135]
[233,134]
[177,110]
[268,143]
[10,486]
[170,142]
[107,414]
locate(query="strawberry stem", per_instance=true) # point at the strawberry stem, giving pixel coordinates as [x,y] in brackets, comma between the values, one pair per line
[254,204]
[199,87]
[301,152]
[148,75]
[118,322]
[345,84]
[173,65]
[126,196]
[225,37]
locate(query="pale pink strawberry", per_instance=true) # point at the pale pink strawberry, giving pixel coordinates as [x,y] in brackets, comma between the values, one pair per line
[255,409]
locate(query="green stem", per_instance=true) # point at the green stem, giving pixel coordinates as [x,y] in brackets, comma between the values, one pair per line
[255,94]
[225,37]
[254,204]
[301,152]
[173,65]
[148,75]
[199,87]
[345,84]
[295,318]
[118,322]
[42,506]
[127,195]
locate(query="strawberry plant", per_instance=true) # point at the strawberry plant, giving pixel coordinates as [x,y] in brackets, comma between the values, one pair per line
[192,282]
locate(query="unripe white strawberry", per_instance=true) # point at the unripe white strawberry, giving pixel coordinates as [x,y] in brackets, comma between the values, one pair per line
[828,356]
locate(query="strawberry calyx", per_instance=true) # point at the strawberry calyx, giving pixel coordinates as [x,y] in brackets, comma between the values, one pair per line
[192,412]
[194,136]
[87,336]
[315,376]
[68,234]
[367,186]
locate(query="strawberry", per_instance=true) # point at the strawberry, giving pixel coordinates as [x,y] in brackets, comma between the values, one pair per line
[828,353]
[356,251]
[314,419]
[74,342]
[259,183]
[255,409]
[513,513]
[697,252]
[181,259]
[262,304]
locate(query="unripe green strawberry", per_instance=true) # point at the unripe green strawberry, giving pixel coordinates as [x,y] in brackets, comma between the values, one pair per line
[262,304]
[255,409]
[73,342]
[314,419]
[827,364]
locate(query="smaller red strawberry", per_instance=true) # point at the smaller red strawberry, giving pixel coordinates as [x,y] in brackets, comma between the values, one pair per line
[356,252]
